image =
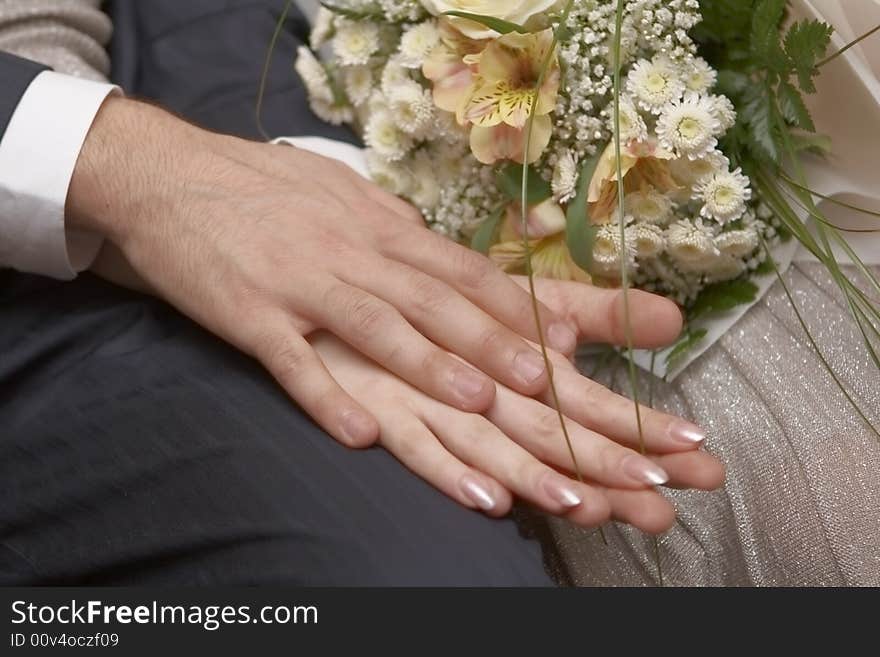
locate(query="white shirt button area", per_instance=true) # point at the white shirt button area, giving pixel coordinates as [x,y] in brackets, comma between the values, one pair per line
[38,154]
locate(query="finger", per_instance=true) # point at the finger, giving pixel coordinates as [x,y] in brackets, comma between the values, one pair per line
[646,510]
[537,428]
[697,470]
[295,365]
[480,444]
[413,444]
[594,406]
[448,319]
[480,281]
[379,331]
[599,314]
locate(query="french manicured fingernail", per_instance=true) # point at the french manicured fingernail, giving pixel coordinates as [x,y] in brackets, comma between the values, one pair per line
[357,426]
[561,490]
[562,338]
[469,383]
[477,493]
[685,432]
[529,366]
[644,471]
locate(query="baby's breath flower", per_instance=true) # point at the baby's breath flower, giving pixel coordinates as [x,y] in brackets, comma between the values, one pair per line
[724,195]
[689,127]
[654,84]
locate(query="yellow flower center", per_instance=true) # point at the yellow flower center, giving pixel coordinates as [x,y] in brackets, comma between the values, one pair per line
[724,196]
[656,83]
[689,128]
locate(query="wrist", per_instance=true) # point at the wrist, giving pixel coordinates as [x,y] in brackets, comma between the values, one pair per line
[132,156]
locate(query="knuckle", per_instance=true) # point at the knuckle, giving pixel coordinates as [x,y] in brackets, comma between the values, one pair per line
[546,425]
[493,340]
[365,315]
[429,295]
[474,271]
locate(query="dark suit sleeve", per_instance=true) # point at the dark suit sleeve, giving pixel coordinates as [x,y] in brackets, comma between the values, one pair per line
[16,75]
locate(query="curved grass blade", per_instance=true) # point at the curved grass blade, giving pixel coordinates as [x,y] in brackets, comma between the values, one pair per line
[624,272]
[264,77]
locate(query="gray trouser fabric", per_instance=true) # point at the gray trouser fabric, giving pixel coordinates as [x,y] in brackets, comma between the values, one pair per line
[136,448]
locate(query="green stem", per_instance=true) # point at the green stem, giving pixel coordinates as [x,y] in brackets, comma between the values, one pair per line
[851,44]
[264,77]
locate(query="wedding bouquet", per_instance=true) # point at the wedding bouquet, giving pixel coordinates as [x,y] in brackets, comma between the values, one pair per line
[646,143]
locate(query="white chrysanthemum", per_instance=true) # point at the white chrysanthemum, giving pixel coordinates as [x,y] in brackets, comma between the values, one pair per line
[425,193]
[688,172]
[608,251]
[737,243]
[648,240]
[313,75]
[412,107]
[689,127]
[724,268]
[323,29]
[649,206]
[417,43]
[384,136]
[654,84]
[632,125]
[358,84]
[355,42]
[395,75]
[332,112]
[565,177]
[724,195]
[391,176]
[691,244]
[699,77]
[724,111]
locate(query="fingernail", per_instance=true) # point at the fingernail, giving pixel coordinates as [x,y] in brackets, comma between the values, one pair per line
[562,338]
[561,490]
[529,365]
[644,471]
[357,427]
[685,432]
[468,383]
[477,493]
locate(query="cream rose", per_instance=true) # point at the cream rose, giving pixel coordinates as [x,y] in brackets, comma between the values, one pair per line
[515,11]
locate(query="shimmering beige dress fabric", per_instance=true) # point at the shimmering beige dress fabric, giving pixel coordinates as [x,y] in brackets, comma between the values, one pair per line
[801,506]
[68,35]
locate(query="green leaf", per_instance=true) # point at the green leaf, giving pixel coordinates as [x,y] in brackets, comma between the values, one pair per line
[509,180]
[732,83]
[810,142]
[793,108]
[723,296]
[580,233]
[690,340]
[765,38]
[352,14]
[805,44]
[759,114]
[766,267]
[485,235]
[497,24]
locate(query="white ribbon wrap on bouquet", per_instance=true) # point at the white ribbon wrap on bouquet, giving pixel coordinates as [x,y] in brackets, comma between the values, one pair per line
[846,108]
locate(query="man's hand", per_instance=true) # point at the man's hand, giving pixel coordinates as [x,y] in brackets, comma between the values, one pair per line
[263,245]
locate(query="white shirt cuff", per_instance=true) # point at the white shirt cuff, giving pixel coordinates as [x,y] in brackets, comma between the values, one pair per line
[38,154]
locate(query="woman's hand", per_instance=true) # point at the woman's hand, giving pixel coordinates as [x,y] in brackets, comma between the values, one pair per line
[263,245]
[518,449]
